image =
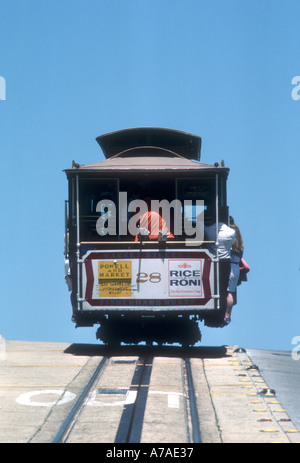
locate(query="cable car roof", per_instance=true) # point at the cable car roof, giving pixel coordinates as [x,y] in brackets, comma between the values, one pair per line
[145,158]
[168,150]
[182,143]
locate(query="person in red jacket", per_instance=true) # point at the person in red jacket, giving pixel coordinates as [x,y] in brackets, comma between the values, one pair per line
[152,225]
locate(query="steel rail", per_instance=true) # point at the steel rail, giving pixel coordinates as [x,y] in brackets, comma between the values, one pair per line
[191,397]
[131,423]
[67,424]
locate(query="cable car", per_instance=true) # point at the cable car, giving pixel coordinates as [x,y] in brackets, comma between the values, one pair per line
[135,252]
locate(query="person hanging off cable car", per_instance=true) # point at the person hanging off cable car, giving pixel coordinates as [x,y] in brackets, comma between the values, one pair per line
[225,236]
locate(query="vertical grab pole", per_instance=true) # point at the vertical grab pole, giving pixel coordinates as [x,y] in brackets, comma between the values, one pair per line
[66,250]
[77,242]
[217,242]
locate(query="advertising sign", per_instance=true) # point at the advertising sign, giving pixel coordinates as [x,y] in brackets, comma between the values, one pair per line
[136,279]
[114,278]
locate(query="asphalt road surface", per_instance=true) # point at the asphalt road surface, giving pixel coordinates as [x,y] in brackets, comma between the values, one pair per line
[281,371]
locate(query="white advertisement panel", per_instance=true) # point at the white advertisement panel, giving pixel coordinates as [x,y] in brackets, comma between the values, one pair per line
[147,278]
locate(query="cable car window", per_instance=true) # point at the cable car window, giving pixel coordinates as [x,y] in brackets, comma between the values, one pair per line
[191,190]
[98,205]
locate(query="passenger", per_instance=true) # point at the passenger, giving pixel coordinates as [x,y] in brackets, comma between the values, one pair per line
[237,250]
[226,238]
[68,278]
[152,225]
[67,261]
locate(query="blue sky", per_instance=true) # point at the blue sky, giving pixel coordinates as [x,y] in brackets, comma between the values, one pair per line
[219,69]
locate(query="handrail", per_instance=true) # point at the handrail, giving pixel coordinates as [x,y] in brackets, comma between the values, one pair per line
[144,242]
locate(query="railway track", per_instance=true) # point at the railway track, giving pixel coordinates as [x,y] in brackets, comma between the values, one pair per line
[87,394]
[66,427]
[131,417]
